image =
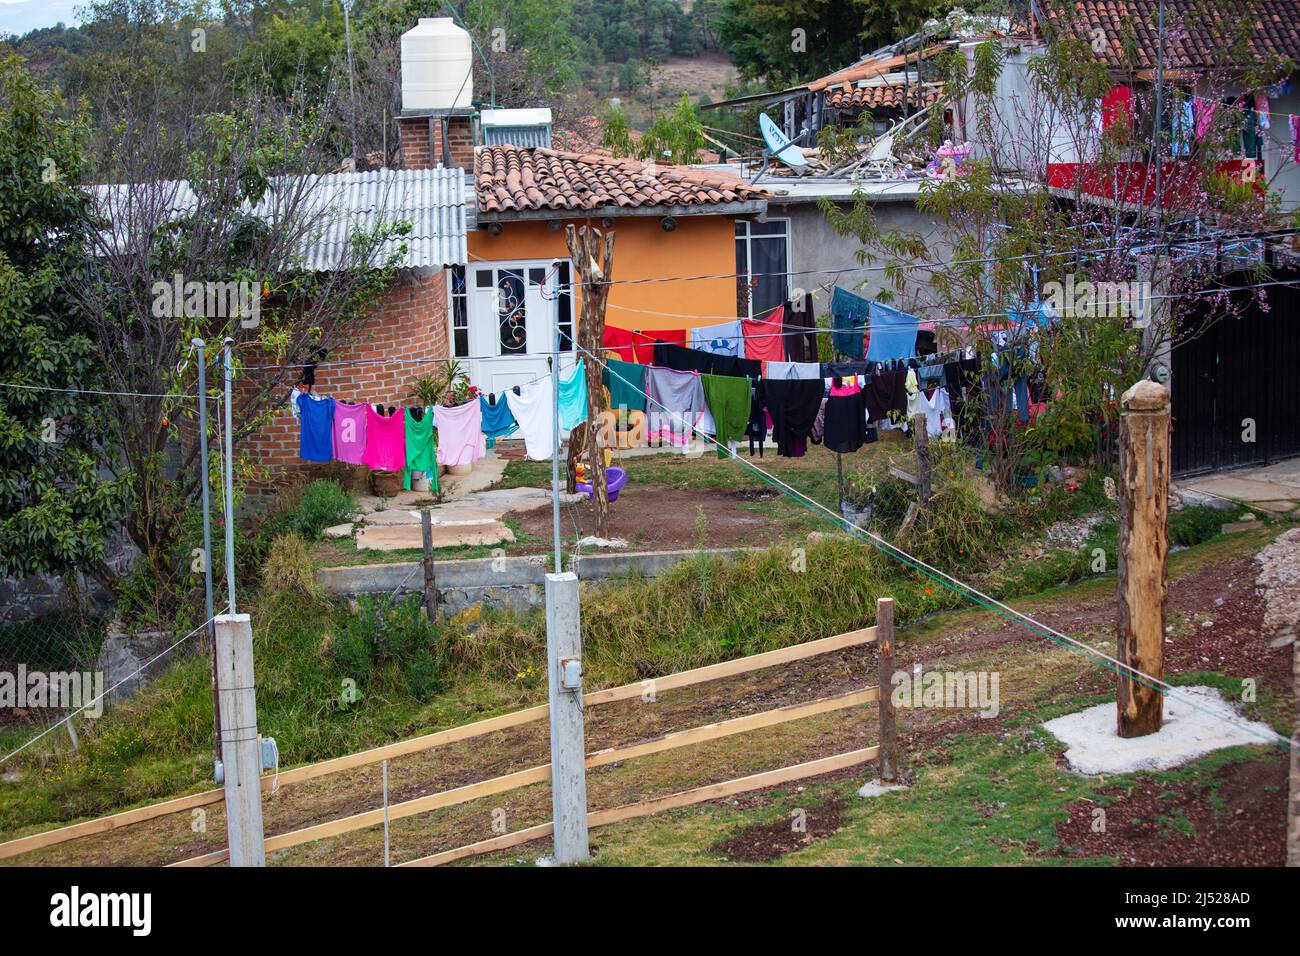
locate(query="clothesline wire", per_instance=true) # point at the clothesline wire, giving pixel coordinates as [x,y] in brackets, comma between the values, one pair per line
[905,267]
[959,587]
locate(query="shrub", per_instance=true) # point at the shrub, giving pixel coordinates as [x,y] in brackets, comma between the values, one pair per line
[1195,524]
[289,568]
[952,529]
[323,503]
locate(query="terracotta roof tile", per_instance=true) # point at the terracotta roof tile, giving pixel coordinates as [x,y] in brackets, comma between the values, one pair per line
[516,179]
[850,97]
[1197,35]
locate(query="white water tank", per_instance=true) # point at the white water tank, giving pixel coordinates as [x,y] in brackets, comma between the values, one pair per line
[437,66]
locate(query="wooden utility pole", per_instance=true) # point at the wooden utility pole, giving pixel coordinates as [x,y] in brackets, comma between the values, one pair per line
[241,749]
[1143,556]
[593,262]
[888,724]
[1293,803]
[430,582]
[923,483]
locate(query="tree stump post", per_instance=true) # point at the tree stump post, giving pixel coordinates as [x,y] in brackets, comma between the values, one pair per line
[922,438]
[1143,556]
[888,717]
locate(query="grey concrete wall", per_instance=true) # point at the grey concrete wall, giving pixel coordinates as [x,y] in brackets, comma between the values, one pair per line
[817,250]
[515,583]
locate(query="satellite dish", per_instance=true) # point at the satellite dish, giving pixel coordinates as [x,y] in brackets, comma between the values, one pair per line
[779,144]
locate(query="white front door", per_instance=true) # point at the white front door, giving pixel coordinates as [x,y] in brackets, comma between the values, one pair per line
[513,307]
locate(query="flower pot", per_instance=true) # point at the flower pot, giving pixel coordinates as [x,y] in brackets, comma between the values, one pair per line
[859,515]
[386,483]
[421,481]
[460,469]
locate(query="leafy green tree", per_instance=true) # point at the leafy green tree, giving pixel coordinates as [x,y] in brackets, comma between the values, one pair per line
[56,506]
[615,134]
[677,136]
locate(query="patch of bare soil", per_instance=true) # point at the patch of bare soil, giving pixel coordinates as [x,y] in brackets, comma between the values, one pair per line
[767,842]
[1158,824]
[654,518]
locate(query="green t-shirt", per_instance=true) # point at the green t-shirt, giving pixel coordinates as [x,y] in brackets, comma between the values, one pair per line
[421,449]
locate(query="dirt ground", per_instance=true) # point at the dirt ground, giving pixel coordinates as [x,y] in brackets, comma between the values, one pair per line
[656,518]
[1236,818]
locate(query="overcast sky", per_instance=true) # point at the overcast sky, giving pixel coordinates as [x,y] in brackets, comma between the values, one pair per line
[20,16]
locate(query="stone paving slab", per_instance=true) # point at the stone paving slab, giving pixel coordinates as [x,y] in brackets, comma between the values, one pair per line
[397,537]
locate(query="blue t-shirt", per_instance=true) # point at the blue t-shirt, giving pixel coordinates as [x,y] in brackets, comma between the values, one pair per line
[316,416]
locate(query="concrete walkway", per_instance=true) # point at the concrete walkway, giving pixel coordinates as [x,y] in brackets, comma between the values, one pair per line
[1274,487]
[468,514]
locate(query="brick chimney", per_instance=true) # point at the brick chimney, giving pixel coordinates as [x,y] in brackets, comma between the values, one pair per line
[437,138]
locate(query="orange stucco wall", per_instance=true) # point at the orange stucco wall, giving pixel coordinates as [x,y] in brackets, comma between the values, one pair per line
[700,245]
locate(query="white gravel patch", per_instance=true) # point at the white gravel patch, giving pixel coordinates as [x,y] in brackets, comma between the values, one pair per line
[1199,723]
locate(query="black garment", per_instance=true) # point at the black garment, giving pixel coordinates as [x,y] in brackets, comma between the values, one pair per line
[886,392]
[682,359]
[800,345]
[756,430]
[844,369]
[846,422]
[793,405]
[751,369]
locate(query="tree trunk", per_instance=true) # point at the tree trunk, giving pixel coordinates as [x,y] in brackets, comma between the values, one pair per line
[593,265]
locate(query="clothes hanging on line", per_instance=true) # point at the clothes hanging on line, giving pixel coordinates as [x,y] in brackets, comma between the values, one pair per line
[532,405]
[460,434]
[789,370]
[421,448]
[722,339]
[935,408]
[893,333]
[798,319]
[349,432]
[626,384]
[846,418]
[793,405]
[497,420]
[385,440]
[763,337]
[683,359]
[751,369]
[620,341]
[646,340]
[573,398]
[885,392]
[728,399]
[316,424]
[675,403]
[850,314]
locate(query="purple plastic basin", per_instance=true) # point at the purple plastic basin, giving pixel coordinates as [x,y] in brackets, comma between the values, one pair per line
[615,479]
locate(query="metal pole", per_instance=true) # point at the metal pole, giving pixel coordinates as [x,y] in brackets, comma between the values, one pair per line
[230,485]
[555,455]
[352,93]
[207,535]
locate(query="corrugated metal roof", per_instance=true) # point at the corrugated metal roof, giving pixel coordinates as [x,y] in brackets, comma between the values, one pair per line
[526,136]
[330,207]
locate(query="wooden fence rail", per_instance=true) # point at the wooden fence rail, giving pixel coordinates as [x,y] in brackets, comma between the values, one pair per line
[442,738]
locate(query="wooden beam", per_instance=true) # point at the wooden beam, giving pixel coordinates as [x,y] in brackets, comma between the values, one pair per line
[441,738]
[540,774]
[685,798]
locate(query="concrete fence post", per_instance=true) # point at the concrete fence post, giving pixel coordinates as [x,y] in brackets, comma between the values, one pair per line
[241,753]
[568,745]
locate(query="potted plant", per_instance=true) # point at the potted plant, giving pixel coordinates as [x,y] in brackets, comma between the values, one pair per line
[856,505]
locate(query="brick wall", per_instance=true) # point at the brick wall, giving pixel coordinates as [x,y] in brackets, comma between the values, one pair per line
[404,337]
[418,152]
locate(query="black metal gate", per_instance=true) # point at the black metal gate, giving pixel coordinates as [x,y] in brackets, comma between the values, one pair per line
[1239,380]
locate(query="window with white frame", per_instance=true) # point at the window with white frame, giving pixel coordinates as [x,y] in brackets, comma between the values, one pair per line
[762,266]
[458,294]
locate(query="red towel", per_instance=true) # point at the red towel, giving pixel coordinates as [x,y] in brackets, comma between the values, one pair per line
[646,341]
[621,341]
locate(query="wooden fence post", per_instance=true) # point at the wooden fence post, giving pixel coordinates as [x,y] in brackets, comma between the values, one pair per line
[430,582]
[568,746]
[241,751]
[888,723]
[1293,802]
[1143,556]
[922,439]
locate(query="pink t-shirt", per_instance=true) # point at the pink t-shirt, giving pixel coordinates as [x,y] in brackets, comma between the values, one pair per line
[460,433]
[349,432]
[385,440]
